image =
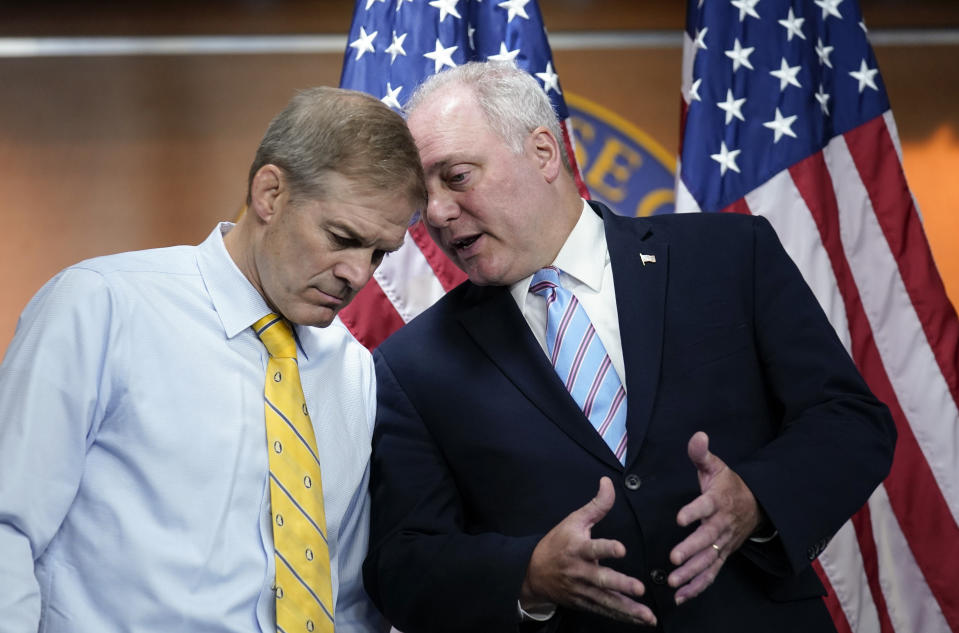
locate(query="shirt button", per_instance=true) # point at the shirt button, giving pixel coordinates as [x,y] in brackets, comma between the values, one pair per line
[633,481]
[658,576]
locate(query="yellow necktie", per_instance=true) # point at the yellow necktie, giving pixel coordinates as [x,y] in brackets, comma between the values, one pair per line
[304,598]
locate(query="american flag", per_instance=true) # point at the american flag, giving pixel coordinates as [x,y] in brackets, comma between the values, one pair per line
[785,115]
[394,45]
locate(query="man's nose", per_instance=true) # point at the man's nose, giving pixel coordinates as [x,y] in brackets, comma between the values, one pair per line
[356,268]
[441,209]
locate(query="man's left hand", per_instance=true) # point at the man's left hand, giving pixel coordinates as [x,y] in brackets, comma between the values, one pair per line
[728,514]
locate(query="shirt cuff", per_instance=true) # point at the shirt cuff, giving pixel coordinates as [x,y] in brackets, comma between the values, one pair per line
[764,539]
[538,613]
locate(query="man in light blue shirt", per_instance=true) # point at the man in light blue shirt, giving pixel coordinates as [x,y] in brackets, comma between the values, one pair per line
[133,457]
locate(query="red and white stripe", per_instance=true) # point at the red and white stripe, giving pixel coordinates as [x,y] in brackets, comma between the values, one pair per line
[847,218]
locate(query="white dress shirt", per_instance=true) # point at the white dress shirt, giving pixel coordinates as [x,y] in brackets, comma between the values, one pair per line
[133,461]
[587,273]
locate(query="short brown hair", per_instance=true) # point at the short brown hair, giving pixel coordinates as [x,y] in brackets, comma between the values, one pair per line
[327,129]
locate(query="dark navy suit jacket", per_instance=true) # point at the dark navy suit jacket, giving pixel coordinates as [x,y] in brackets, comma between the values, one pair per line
[479,450]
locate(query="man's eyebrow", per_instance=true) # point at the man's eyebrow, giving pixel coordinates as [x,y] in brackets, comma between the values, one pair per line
[447,161]
[439,165]
[364,241]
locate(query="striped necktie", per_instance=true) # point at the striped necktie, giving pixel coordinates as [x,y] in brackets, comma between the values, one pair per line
[304,596]
[581,361]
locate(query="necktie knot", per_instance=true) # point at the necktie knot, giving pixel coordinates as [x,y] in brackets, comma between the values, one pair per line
[276,335]
[545,281]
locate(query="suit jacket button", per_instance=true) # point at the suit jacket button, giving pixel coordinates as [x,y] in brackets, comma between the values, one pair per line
[658,576]
[633,482]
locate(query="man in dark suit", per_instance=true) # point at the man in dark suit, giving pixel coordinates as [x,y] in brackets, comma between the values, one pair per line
[749,436]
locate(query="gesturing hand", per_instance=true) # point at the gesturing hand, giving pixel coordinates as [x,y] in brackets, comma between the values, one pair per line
[728,514]
[564,568]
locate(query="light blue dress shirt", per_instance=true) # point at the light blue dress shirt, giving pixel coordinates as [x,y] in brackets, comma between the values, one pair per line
[133,461]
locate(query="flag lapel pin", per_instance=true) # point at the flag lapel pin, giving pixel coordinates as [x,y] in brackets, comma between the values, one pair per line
[647,259]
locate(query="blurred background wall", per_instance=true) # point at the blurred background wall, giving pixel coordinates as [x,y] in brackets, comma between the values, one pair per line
[101,153]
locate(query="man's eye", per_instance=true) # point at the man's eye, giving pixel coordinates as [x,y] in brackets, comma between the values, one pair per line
[458,178]
[345,242]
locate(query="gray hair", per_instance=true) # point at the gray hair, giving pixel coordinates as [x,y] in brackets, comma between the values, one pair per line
[324,130]
[512,101]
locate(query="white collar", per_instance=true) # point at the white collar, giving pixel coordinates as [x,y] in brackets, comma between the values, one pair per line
[578,256]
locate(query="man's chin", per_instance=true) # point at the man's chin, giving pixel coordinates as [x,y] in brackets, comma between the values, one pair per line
[490,276]
[316,316]
[485,280]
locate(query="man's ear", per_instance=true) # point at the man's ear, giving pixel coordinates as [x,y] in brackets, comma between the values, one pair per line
[266,189]
[546,150]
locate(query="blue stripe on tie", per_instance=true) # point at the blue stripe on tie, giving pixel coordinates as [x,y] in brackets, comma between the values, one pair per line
[267,326]
[605,399]
[607,392]
[303,582]
[569,344]
[300,508]
[593,359]
[293,428]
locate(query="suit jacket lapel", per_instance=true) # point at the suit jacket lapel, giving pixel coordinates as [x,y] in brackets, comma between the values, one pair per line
[494,321]
[641,303]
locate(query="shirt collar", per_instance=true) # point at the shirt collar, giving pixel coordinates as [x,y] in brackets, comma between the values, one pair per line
[577,258]
[236,301]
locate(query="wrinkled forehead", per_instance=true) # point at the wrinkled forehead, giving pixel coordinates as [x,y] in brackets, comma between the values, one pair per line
[333,185]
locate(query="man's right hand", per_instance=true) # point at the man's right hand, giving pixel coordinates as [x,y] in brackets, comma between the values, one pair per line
[564,568]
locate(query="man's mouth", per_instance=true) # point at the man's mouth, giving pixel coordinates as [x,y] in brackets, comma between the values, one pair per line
[465,242]
[335,299]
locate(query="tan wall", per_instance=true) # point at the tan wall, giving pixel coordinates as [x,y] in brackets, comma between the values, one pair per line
[99,155]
